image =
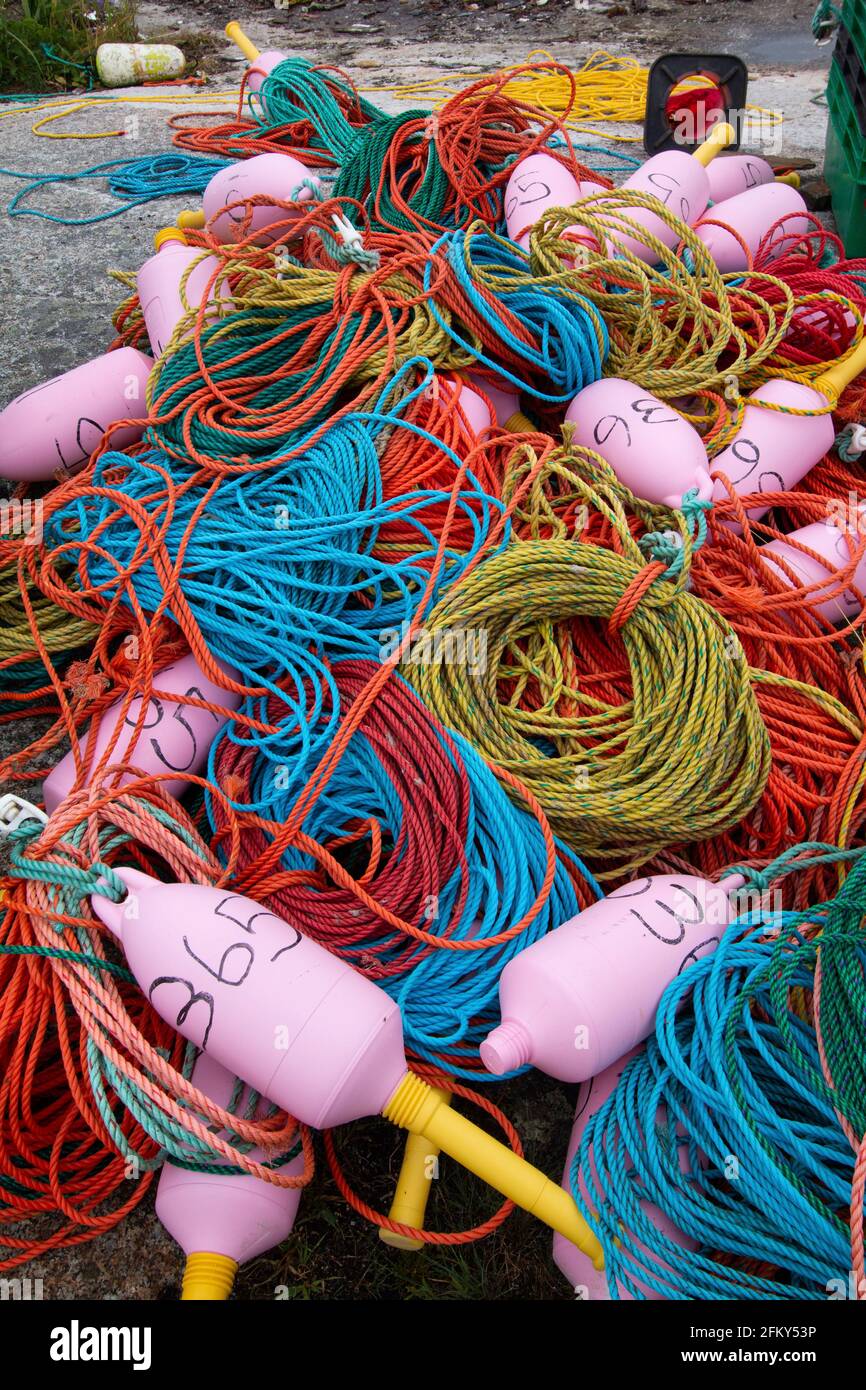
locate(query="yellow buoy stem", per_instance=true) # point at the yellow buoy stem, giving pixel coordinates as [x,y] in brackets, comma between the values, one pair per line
[720,137]
[417,1171]
[188,218]
[416,1107]
[207,1277]
[834,381]
[237,36]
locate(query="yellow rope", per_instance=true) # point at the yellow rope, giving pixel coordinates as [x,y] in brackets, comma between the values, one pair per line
[607,88]
[684,758]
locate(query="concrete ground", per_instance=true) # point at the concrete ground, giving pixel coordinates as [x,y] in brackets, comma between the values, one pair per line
[56,300]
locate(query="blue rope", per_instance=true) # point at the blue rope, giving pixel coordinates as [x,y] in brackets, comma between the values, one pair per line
[565,323]
[449,999]
[134,182]
[279,572]
[674,1135]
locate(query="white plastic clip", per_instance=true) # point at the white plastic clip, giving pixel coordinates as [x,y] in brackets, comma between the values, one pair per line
[14,810]
[349,234]
[857,437]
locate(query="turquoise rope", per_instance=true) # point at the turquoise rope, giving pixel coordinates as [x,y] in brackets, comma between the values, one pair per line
[134,182]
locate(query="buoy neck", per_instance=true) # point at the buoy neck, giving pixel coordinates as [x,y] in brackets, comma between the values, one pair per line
[833,382]
[208,1277]
[166,235]
[507,1047]
[722,136]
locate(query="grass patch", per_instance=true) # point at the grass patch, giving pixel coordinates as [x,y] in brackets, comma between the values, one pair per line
[334,1255]
[29,27]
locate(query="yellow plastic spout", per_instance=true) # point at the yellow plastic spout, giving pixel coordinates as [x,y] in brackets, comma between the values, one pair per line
[207,1277]
[168,234]
[518,423]
[719,138]
[188,218]
[409,1206]
[833,382]
[793,179]
[416,1107]
[237,36]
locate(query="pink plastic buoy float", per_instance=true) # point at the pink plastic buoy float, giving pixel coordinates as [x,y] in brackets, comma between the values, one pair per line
[159,282]
[278,178]
[477,419]
[261,63]
[56,426]
[752,215]
[537,183]
[836,547]
[582,996]
[588,1282]
[223,1220]
[649,445]
[175,737]
[680,181]
[302,1027]
[773,450]
[737,173]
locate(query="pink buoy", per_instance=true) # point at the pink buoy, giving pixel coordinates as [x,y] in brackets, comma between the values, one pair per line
[537,183]
[751,215]
[175,737]
[476,413]
[234,1215]
[261,63]
[588,1282]
[276,176]
[159,285]
[736,173]
[772,450]
[58,425]
[294,1021]
[506,404]
[835,546]
[586,993]
[262,66]
[649,446]
[301,1026]
[680,181]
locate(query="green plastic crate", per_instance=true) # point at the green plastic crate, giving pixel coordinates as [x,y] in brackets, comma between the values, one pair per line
[847,193]
[846,101]
[854,21]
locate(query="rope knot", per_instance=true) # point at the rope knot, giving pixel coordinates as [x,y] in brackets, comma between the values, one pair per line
[431,127]
[632,596]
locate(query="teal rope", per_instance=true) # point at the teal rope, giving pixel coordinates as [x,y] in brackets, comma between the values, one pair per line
[134,182]
[825,19]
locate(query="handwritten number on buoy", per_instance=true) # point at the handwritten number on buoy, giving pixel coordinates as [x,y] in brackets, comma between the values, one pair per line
[242,968]
[646,408]
[526,188]
[745,451]
[195,997]
[154,717]
[668,189]
[681,921]
[601,434]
